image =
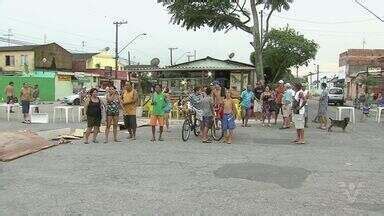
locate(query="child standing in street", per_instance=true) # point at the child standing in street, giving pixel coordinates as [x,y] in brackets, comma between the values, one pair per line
[229,118]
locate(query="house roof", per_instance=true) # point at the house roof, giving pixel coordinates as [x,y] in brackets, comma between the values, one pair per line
[213,63]
[206,64]
[19,48]
[83,56]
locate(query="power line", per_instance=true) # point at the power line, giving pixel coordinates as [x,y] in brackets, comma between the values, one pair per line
[323,23]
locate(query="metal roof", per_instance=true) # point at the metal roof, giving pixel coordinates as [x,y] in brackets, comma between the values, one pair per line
[83,56]
[205,64]
[19,48]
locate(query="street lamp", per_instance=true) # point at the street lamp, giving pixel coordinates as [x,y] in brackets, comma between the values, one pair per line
[118,53]
[137,36]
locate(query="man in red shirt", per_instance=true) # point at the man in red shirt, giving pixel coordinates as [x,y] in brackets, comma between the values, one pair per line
[279,98]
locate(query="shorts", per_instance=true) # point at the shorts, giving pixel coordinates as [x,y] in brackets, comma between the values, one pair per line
[287,110]
[9,100]
[93,121]
[278,108]
[25,106]
[207,122]
[219,110]
[156,121]
[113,114]
[130,122]
[299,121]
[228,121]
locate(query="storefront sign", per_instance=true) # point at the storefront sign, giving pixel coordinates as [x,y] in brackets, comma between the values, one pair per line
[64,78]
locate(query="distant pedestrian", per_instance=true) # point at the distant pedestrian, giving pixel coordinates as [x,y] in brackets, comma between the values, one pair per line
[322,113]
[26,98]
[10,94]
[307,95]
[278,99]
[259,89]
[36,97]
[93,108]
[298,113]
[267,97]
[229,118]
[168,108]
[247,97]
[112,110]
[130,102]
[208,112]
[159,102]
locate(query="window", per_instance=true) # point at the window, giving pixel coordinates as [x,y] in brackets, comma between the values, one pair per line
[336,91]
[10,61]
[24,60]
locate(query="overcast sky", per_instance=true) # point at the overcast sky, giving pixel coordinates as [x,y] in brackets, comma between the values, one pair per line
[336,25]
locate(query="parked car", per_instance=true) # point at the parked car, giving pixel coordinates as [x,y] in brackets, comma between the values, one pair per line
[336,96]
[75,98]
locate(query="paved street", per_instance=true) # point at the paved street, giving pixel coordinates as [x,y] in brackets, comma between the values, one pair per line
[261,174]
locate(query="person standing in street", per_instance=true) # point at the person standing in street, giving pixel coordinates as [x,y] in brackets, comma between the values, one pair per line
[168,108]
[36,97]
[113,111]
[26,98]
[279,91]
[229,118]
[10,94]
[298,108]
[218,100]
[93,108]
[266,98]
[247,97]
[159,102]
[323,107]
[287,106]
[130,100]
[208,111]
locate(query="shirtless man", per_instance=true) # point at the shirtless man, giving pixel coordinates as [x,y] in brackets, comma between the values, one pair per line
[26,98]
[229,118]
[218,100]
[10,94]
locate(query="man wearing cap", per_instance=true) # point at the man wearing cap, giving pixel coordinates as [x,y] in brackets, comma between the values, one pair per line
[279,98]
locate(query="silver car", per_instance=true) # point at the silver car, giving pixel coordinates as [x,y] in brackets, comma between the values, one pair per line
[336,96]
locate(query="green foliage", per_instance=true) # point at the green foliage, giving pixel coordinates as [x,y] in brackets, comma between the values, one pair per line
[285,49]
[370,80]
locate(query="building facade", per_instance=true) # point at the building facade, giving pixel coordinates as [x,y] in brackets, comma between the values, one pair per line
[357,64]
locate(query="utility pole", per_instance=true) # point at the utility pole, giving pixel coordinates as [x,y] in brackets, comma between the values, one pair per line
[171,53]
[82,45]
[9,35]
[189,57]
[297,71]
[317,77]
[117,24]
[129,58]
[364,43]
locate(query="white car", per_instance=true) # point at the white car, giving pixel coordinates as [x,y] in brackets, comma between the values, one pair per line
[336,96]
[75,99]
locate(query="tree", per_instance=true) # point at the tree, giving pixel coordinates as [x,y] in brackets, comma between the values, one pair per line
[224,15]
[285,49]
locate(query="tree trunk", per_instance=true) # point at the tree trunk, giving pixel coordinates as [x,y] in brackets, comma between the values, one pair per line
[256,45]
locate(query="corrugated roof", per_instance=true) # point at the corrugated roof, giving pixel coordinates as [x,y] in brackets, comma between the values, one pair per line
[83,56]
[19,48]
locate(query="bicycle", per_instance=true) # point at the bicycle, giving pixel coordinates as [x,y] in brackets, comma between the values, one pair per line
[217,132]
[191,123]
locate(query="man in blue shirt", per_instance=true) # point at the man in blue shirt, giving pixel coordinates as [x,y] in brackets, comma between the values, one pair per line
[287,105]
[247,97]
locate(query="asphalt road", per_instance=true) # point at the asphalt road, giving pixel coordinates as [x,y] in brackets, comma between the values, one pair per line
[262,173]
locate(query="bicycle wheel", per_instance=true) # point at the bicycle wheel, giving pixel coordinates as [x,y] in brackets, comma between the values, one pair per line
[217,131]
[196,128]
[186,130]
